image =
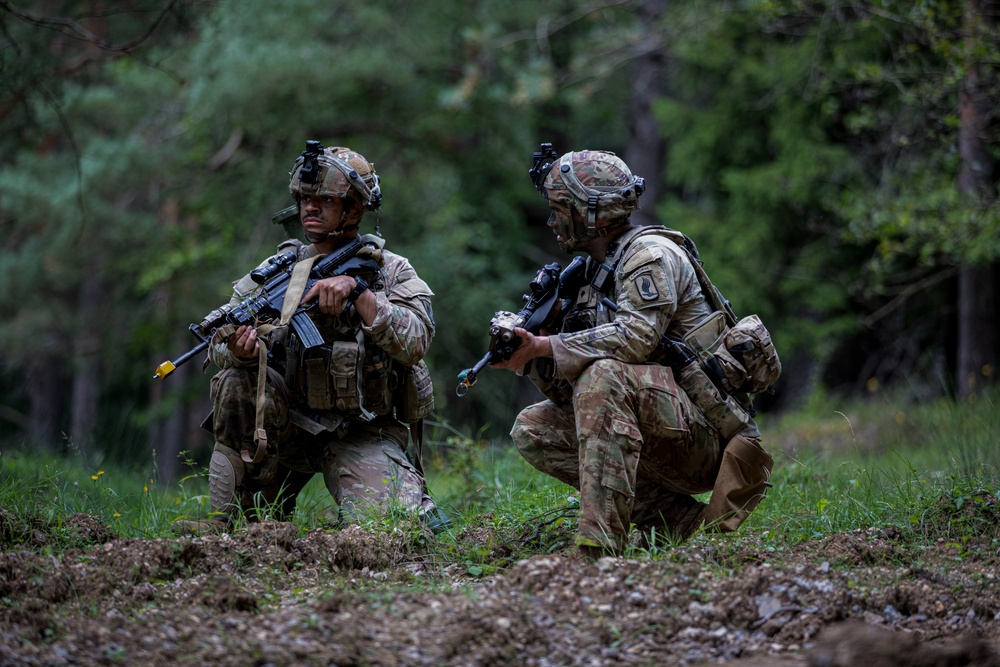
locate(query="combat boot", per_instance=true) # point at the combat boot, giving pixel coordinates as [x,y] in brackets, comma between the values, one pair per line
[435,519]
[742,483]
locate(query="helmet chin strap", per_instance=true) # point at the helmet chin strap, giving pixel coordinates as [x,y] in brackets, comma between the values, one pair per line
[579,233]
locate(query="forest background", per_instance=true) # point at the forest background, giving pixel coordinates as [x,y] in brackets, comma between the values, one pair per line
[835,162]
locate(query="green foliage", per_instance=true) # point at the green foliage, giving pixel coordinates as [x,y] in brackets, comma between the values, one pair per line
[810,140]
[756,170]
[930,469]
[172,162]
[810,154]
[912,206]
[56,502]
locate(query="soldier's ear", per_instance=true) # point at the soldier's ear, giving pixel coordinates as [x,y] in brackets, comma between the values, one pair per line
[354,210]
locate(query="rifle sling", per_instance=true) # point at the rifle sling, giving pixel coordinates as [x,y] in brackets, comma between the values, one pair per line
[293,295]
[296,286]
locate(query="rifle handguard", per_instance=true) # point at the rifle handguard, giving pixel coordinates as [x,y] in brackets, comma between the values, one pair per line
[550,285]
[266,302]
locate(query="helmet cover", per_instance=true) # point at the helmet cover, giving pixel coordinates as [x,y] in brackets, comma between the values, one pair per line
[335,172]
[598,185]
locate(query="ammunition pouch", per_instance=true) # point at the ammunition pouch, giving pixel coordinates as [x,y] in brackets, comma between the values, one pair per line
[706,335]
[379,381]
[726,365]
[327,377]
[722,411]
[346,376]
[748,357]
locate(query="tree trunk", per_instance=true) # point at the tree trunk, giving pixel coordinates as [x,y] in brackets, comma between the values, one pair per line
[86,361]
[976,328]
[646,149]
[165,435]
[180,430]
[45,392]
[977,325]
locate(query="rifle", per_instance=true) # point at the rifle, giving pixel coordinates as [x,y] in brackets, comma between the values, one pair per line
[550,286]
[266,303]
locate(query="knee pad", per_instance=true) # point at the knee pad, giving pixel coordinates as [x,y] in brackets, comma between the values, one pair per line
[225,479]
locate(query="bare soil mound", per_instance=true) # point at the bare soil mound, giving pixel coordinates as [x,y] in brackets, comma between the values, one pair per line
[270,595]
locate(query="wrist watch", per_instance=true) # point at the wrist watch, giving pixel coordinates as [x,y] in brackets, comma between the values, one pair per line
[359,289]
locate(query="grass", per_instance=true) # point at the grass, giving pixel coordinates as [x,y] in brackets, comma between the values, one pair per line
[929,470]
[883,462]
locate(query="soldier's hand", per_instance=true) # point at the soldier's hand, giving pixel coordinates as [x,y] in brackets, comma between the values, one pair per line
[330,294]
[531,346]
[243,343]
[544,330]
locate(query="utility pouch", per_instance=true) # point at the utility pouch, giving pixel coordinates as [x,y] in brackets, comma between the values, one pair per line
[722,411]
[314,378]
[415,399]
[345,374]
[705,337]
[378,381]
[307,374]
[748,357]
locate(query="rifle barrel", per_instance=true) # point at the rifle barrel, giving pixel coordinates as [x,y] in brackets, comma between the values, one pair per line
[168,367]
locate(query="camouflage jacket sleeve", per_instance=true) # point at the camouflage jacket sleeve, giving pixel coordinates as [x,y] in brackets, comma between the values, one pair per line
[652,279]
[404,322]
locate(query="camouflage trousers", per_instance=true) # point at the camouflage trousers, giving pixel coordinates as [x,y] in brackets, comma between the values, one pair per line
[632,443]
[363,464]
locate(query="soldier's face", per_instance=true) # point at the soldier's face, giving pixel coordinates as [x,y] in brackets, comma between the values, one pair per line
[563,224]
[560,219]
[320,215]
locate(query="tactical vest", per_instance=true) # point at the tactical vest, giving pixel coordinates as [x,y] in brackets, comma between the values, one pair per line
[349,374]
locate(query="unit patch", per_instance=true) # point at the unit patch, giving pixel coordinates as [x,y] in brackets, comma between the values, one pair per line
[646,287]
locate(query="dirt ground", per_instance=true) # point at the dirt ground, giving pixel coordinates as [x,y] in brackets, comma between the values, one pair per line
[268,595]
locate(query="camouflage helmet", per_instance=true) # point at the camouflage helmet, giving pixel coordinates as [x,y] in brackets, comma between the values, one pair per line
[335,172]
[597,184]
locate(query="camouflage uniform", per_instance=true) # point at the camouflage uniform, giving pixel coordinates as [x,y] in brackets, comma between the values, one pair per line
[616,424]
[344,427]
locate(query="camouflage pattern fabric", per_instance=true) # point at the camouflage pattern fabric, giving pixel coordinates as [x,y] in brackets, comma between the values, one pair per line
[403,326]
[632,443]
[578,175]
[363,464]
[656,290]
[630,438]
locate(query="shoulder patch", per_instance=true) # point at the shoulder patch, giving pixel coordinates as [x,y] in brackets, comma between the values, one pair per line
[645,286]
[643,255]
